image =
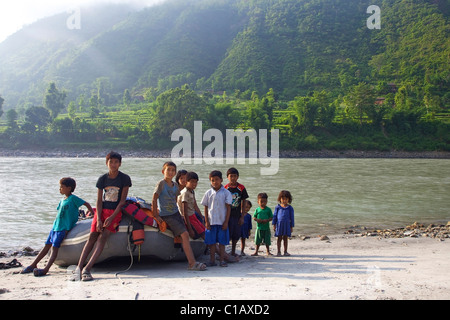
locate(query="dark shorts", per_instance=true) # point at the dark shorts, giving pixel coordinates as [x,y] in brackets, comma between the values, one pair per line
[55,238]
[234,229]
[175,223]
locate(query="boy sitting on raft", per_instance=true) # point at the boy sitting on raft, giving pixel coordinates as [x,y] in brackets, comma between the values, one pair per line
[65,220]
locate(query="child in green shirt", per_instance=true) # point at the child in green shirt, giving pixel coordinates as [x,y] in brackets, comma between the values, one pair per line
[263,215]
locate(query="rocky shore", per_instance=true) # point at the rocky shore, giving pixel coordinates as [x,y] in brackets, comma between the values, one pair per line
[415,230]
[100,153]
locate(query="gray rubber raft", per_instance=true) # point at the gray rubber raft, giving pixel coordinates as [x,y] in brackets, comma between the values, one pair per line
[157,244]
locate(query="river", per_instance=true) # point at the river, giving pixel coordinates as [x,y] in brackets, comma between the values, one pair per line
[329,195]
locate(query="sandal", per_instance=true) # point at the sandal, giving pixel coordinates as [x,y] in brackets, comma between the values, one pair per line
[86,276]
[223,264]
[76,275]
[39,272]
[28,269]
[198,266]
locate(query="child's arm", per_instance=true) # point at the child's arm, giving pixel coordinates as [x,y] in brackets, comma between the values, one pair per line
[186,219]
[88,206]
[99,210]
[155,207]
[227,217]
[207,225]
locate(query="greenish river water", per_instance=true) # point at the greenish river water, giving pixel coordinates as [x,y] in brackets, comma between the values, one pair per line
[329,195]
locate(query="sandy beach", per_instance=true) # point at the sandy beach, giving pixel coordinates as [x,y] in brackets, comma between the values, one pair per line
[344,267]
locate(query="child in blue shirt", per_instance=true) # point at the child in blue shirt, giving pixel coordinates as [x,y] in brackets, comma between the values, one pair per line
[65,220]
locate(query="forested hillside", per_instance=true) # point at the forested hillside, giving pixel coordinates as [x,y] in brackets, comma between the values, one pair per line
[316,63]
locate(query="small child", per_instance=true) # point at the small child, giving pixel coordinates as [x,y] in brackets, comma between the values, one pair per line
[263,215]
[246,226]
[65,220]
[283,220]
[188,207]
[217,201]
[166,193]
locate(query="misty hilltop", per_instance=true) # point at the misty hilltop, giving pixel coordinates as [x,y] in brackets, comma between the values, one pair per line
[292,46]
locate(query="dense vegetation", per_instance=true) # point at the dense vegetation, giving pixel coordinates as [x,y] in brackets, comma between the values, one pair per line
[310,68]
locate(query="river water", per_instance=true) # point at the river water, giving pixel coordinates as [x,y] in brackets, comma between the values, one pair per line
[329,195]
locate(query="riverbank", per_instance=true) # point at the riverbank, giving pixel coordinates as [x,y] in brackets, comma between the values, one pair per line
[356,266]
[100,153]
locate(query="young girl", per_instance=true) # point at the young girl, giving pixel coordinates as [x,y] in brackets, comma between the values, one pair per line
[283,220]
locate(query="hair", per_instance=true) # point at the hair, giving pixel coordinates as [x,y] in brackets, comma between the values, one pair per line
[285,194]
[68,182]
[169,164]
[262,195]
[191,175]
[215,173]
[114,155]
[232,171]
[180,173]
[249,202]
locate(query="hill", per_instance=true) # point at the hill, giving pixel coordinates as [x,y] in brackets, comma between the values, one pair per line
[292,46]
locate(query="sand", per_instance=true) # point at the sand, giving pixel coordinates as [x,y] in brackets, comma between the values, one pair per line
[345,267]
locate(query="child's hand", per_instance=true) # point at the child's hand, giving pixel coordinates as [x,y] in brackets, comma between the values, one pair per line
[99,226]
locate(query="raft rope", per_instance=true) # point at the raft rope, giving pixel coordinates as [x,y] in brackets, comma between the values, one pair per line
[136,294]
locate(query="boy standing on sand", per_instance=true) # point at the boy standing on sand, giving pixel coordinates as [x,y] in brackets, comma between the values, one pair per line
[65,220]
[263,215]
[112,191]
[166,193]
[237,214]
[217,201]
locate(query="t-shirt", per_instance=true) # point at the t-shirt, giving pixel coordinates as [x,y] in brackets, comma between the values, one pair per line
[263,214]
[187,196]
[167,197]
[238,193]
[216,202]
[67,215]
[112,189]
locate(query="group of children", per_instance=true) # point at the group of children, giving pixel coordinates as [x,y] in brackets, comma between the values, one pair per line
[226,216]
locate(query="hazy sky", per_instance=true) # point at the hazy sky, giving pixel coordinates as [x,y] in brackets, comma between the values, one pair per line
[14,14]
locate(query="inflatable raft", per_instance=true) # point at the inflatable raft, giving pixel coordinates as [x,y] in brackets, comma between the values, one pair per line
[157,244]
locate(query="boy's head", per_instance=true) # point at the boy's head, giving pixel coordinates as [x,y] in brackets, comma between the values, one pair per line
[191,180]
[113,161]
[69,183]
[169,170]
[215,177]
[262,199]
[232,175]
[113,155]
[248,206]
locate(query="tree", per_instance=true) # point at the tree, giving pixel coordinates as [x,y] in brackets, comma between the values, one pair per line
[54,100]
[37,118]
[361,100]
[126,98]
[305,109]
[177,108]
[11,119]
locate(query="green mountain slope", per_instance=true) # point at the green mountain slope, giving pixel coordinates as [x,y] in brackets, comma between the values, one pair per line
[293,46]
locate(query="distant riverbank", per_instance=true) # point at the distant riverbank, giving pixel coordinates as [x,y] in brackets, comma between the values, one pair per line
[101,152]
